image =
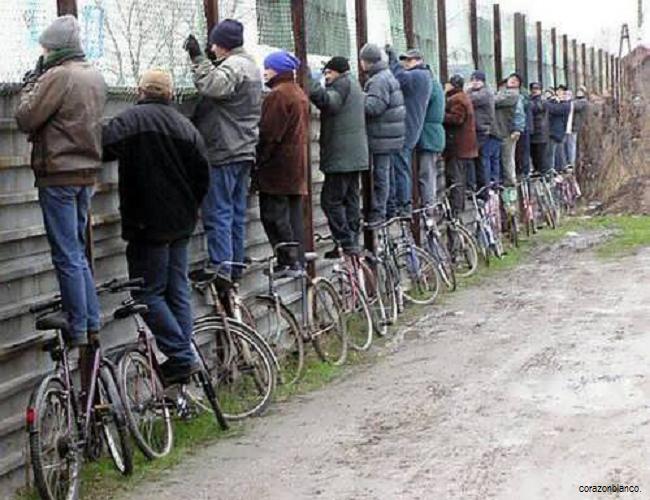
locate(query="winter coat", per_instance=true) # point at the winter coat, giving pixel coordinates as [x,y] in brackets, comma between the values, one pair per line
[505,102]
[432,138]
[163,171]
[228,112]
[416,86]
[62,113]
[580,110]
[558,116]
[519,118]
[282,151]
[385,111]
[539,133]
[460,126]
[483,102]
[343,136]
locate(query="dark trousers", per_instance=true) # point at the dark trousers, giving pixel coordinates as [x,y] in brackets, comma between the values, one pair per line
[455,173]
[164,268]
[340,202]
[381,171]
[522,154]
[282,220]
[539,156]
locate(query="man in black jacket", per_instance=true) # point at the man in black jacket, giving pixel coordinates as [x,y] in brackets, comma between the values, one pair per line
[163,177]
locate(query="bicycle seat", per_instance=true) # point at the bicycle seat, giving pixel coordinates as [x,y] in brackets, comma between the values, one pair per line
[129,310]
[311,256]
[56,321]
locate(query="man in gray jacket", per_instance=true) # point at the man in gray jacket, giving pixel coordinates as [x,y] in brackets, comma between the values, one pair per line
[385,114]
[227,116]
[483,102]
[343,150]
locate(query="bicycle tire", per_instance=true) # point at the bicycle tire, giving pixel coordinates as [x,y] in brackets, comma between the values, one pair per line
[242,371]
[146,408]
[51,389]
[358,318]
[287,345]
[375,298]
[466,252]
[482,243]
[514,231]
[443,260]
[328,331]
[386,286]
[421,270]
[113,422]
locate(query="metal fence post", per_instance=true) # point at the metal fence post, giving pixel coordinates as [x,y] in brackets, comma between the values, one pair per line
[64,7]
[600,70]
[298,22]
[592,69]
[211,9]
[407,11]
[521,49]
[554,48]
[498,58]
[473,32]
[574,66]
[583,49]
[565,60]
[442,40]
[540,53]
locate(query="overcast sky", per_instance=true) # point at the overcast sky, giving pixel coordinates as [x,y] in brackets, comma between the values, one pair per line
[590,21]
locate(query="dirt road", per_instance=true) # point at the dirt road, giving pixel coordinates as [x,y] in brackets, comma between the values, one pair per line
[525,387]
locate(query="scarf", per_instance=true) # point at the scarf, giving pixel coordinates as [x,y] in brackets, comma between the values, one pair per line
[59,56]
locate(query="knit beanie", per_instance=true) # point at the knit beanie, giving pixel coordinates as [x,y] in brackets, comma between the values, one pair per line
[339,64]
[370,53]
[281,62]
[156,82]
[228,34]
[63,33]
[478,75]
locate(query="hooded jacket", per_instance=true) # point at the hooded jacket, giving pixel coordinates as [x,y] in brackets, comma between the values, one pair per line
[460,126]
[62,113]
[228,111]
[385,111]
[343,136]
[433,132]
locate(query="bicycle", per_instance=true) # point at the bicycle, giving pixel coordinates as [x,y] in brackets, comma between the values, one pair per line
[413,270]
[433,244]
[322,319]
[66,425]
[545,200]
[361,298]
[241,365]
[457,238]
[510,217]
[482,227]
[567,190]
[527,207]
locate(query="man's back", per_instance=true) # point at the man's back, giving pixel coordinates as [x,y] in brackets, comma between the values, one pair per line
[229,109]
[163,171]
[385,111]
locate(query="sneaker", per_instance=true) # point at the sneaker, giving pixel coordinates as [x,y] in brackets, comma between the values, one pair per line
[173,373]
[333,254]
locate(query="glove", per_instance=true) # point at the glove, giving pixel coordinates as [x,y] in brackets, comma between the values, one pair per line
[192,47]
[209,54]
[32,75]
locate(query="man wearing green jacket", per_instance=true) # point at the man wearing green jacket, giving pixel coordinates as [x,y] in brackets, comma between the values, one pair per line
[431,145]
[343,150]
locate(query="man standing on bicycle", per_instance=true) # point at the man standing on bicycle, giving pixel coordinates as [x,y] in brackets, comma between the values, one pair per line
[483,102]
[280,174]
[343,151]
[61,107]
[227,115]
[385,113]
[163,178]
[539,137]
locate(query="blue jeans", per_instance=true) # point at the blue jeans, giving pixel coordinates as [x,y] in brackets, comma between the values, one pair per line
[164,268]
[65,214]
[224,214]
[491,159]
[556,156]
[571,148]
[381,186]
[401,190]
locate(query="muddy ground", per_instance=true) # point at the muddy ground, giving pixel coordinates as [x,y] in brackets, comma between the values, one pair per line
[524,387]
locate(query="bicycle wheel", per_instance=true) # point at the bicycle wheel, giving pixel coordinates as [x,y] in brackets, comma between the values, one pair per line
[463,249]
[514,230]
[279,327]
[241,368]
[109,414]
[328,331]
[375,298]
[443,260]
[147,411]
[386,287]
[53,441]
[482,240]
[356,312]
[418,275]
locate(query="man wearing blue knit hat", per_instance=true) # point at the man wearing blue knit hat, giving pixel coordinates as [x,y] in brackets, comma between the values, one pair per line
[227,115]
[282,158]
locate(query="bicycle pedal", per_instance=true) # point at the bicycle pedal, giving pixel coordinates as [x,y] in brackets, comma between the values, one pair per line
[102,408]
